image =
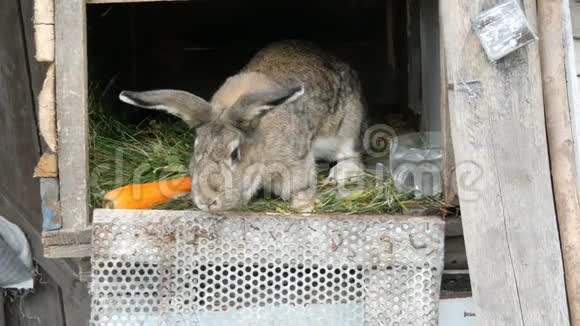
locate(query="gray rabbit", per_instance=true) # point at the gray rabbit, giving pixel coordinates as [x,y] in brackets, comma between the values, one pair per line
[266,126]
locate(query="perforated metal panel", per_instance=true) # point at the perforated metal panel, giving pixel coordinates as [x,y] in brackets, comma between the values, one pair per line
[192,268]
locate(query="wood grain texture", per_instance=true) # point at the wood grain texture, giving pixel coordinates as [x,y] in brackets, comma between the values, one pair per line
[72,112]
[67,243]
[44,30]
[575,13]
[38,70]
[21,78]
[500,146]
[68,251]
[571,28]
[561,143]
[66,237]
[19,145]
[448,160]
[85,269]
[19,191]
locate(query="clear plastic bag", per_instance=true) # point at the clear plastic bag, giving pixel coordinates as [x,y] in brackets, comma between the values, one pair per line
[415,163]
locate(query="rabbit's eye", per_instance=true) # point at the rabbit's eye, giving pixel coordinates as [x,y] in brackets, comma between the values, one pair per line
[235,155]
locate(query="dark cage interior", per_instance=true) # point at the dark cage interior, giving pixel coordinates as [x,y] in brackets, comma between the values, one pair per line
[196,45]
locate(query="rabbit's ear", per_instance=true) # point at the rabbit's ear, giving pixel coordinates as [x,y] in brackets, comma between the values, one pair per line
[190,108]
[249,108]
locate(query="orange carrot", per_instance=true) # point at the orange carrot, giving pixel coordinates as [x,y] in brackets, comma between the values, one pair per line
[147,195]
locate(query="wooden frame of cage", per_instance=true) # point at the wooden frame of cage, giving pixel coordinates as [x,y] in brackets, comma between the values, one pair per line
[509,226]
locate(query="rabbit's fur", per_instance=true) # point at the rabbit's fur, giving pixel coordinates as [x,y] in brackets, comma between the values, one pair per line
[266,126]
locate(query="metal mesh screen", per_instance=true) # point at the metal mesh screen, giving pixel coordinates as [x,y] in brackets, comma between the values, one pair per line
[192,268]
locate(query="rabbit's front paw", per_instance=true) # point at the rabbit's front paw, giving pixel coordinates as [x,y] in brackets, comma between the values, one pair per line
[304,201]
[345,172]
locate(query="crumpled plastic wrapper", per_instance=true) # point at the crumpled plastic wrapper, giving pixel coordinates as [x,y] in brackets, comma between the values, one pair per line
[503,29]
[415,163]
[15,257]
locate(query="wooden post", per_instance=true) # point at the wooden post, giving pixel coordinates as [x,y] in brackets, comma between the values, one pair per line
[448,161]
[571,17]
[561,144]
[499,140]
[72,115]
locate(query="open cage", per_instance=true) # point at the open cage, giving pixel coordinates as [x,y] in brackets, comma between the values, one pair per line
[195,46]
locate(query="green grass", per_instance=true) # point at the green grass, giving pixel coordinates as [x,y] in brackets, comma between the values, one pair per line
[122,154]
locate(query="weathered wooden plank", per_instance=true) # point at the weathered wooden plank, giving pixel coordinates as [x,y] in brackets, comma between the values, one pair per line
[430,74]
[19,147]
[67,243]
[575,14]
[72,115]
[68,251]
[44,30]
[85,269]
[66,237]
[559,124]
[499,140]
[448,160]
[19,191]
[37,70]
[572,70]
